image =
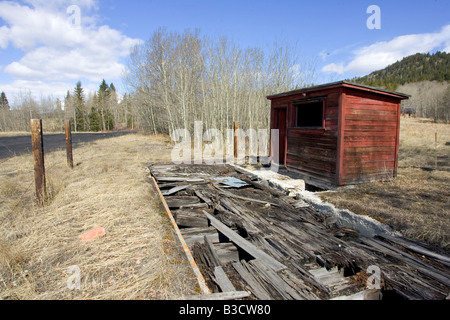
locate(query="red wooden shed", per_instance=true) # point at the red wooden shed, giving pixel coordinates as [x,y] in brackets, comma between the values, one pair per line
[338,133]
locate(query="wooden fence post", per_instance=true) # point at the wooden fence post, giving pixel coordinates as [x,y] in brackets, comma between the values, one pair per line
[236,128]
[435,149]
[68,132]
[37,144]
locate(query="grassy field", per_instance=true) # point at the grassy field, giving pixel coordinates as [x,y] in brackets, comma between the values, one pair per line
[138,258]
[417,202]
[14,134]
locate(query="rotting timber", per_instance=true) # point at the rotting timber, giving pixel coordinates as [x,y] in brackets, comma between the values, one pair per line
[246,236]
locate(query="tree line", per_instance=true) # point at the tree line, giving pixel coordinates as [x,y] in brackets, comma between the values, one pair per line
[180,78]
[175,79]
[97,111]
[429,99]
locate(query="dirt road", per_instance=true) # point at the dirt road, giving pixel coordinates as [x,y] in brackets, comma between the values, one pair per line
[10,146]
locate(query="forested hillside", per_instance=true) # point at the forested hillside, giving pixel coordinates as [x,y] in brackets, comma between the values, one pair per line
[415,68]
[426,77]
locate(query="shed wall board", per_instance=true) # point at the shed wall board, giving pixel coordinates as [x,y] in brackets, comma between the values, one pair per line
[359,141]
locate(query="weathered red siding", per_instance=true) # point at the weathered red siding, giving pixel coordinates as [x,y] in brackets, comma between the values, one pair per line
[314,152]
[370,137]
[359,141]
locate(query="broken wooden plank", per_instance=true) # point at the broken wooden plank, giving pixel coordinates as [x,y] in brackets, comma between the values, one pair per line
[194,206]
[181,201]
[273,293]
[285,290]
[220,296]
[334,279]
[162,166]
[425,268]
[227,252]
[174,190]
[190,218]
[417,249]
[222,280]
[244,220]
[300,204]
[326,276]
[232,195]
[220,276]
[421,266]
[298,283]
[257,289]
[193,235]
[369,294]
[204,198]
[269,246]
[210,248]
[227,205]
[260,186]
[179,179]
[408,283]
[245,245]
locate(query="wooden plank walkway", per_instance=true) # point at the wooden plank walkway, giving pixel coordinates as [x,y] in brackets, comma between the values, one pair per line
[257,239]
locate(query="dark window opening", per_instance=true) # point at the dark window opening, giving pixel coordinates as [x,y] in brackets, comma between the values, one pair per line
[309,114]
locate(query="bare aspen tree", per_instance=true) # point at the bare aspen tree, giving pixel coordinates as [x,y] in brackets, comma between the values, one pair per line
[178,79]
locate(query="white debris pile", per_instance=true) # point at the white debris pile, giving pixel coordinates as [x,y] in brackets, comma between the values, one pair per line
[290,186]
[366,225]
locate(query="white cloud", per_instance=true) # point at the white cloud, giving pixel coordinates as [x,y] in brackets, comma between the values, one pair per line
[27,27]
[54,50]
[95,57]
[40,88]
[381,54]
[334,67]
[58,4]
[323,55]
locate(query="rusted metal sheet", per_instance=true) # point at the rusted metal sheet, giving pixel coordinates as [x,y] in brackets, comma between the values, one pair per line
[231,182]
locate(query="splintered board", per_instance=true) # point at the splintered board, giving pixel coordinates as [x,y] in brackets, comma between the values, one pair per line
[246,236]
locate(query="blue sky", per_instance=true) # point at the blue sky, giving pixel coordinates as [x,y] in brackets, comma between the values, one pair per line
[46,49]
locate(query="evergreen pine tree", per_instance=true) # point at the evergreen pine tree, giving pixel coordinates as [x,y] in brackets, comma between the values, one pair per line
[113,104]
[79,105]
[102,101]
[94,120]
[4,104]
[69,110]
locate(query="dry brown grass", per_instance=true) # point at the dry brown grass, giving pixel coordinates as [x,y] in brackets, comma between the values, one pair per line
[138,258]
[14,134]
[417,202]
[419,147]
